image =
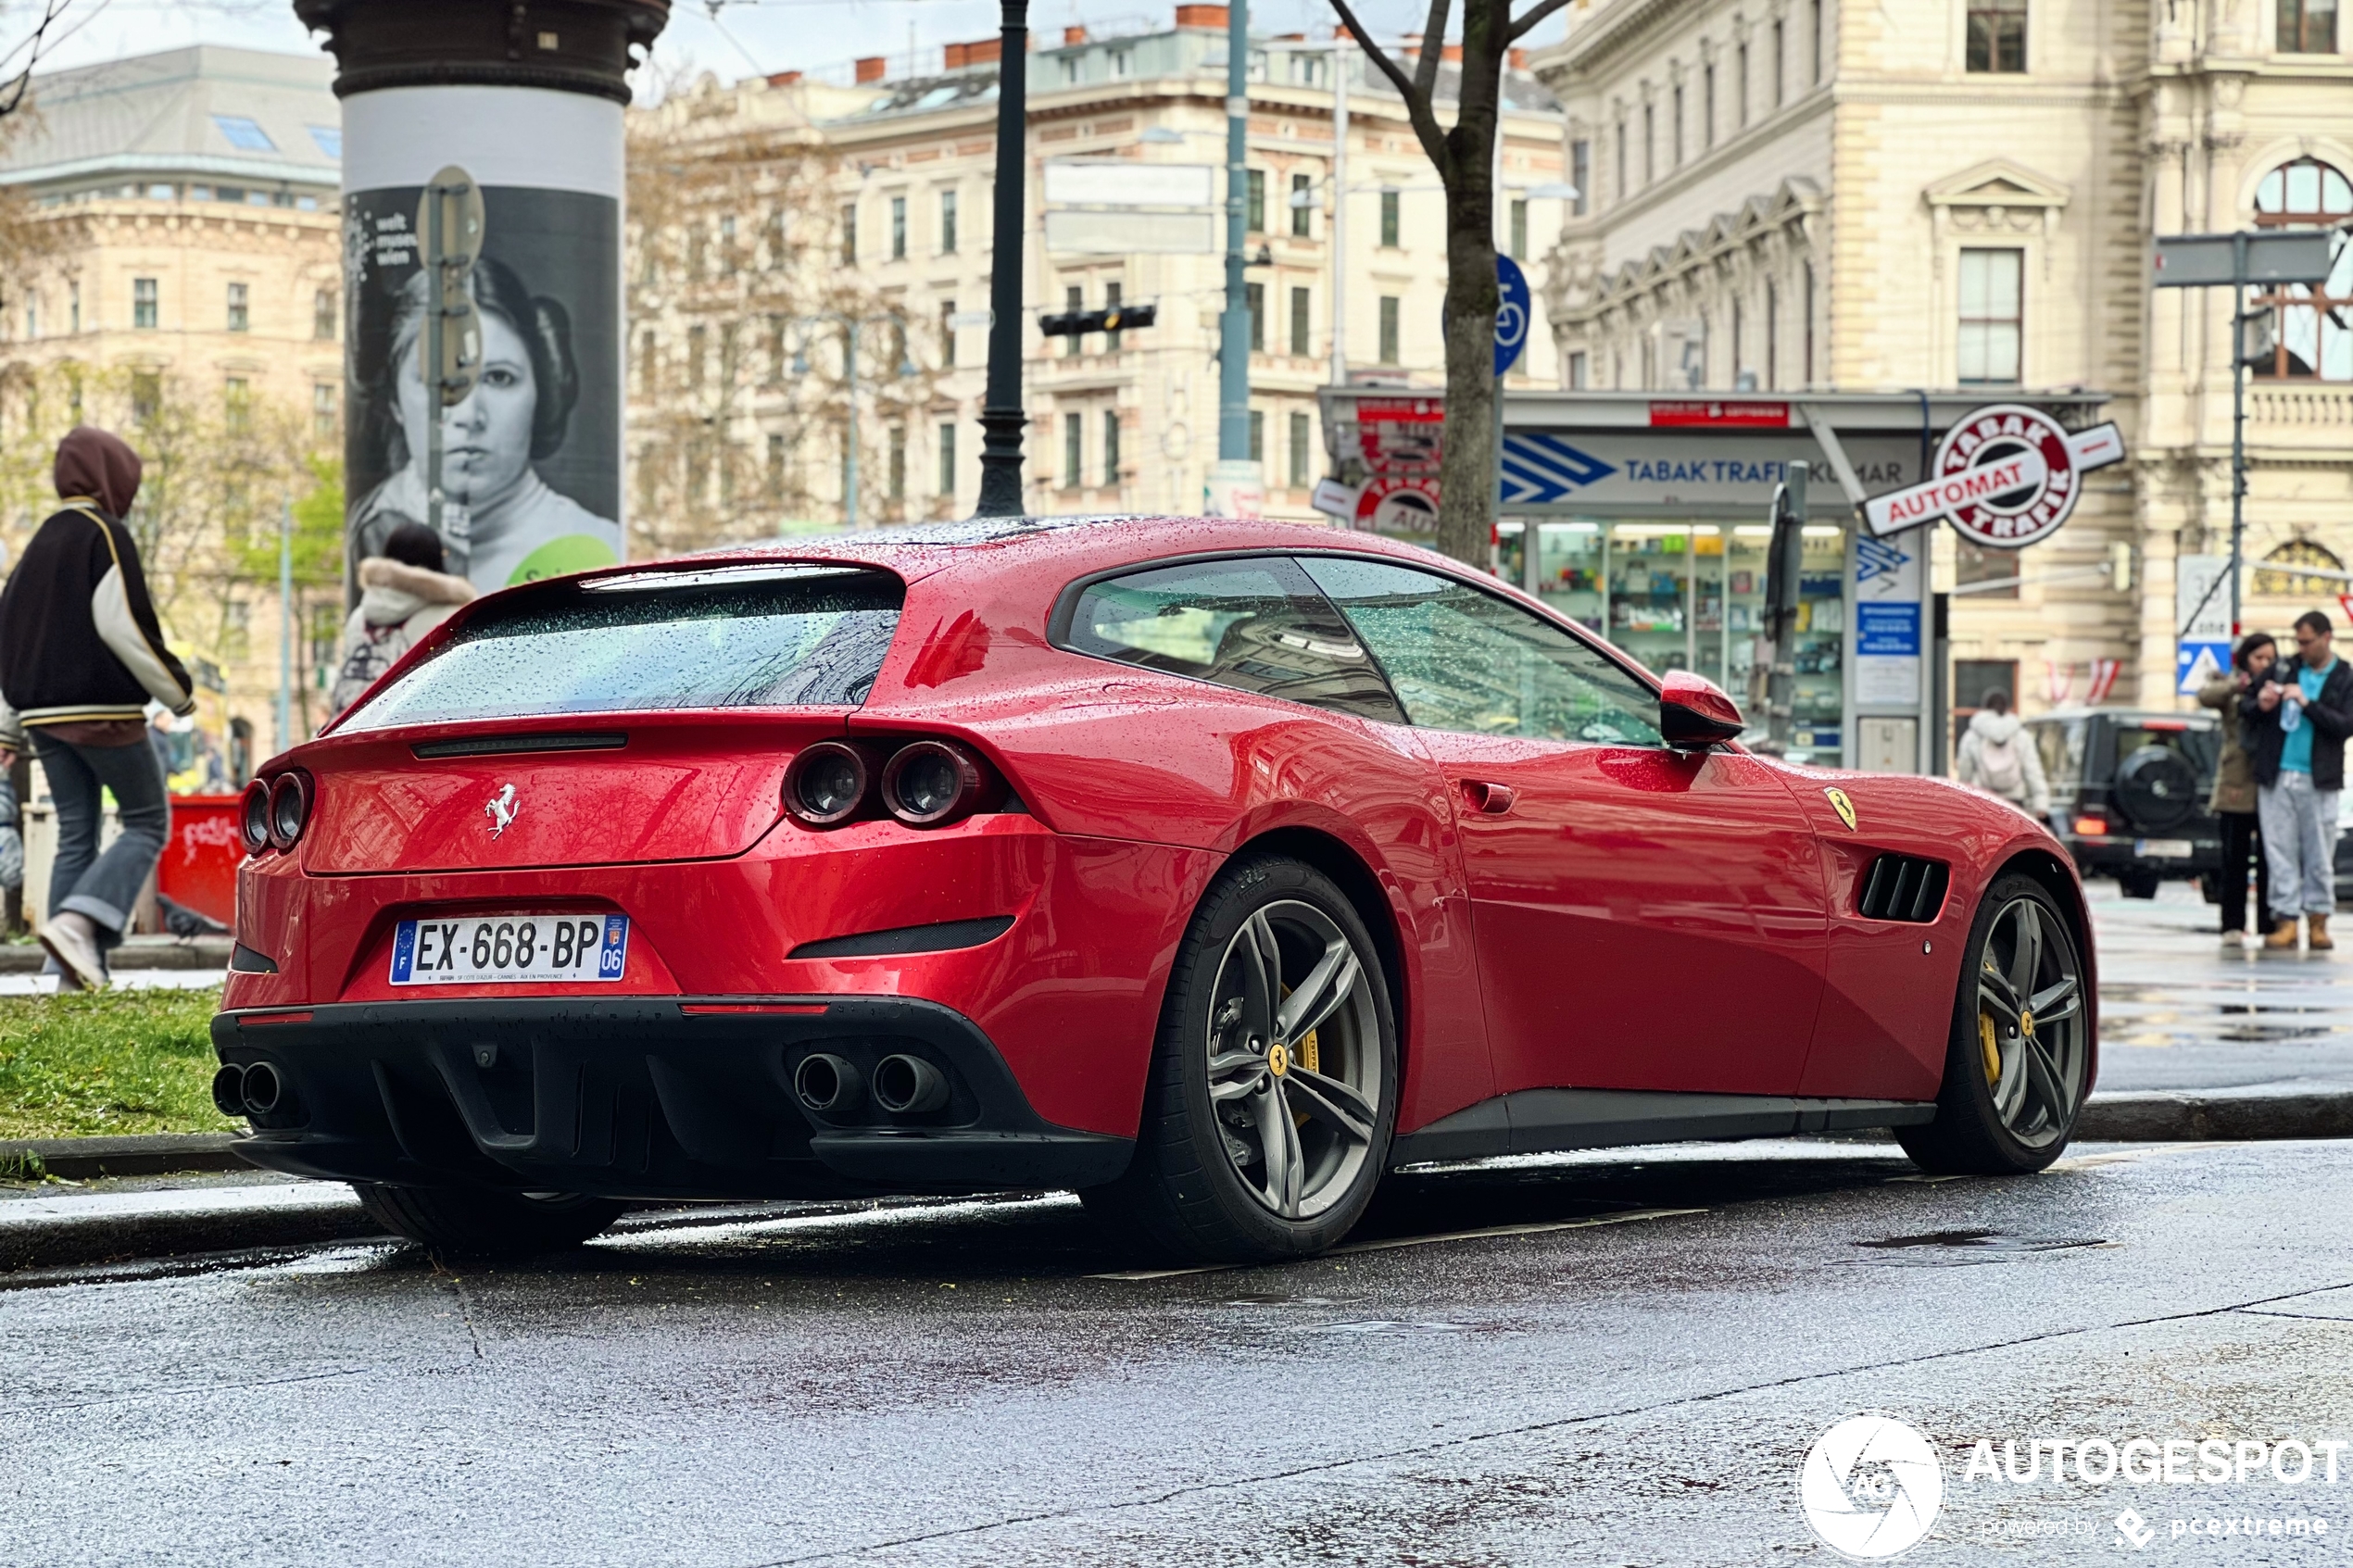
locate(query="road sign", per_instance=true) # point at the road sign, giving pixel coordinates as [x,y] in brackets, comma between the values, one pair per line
[1513,315]
[2197,261]
[2005,476]
[2202,620]
[1540,469]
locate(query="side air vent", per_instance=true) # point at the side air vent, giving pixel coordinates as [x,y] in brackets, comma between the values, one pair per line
[1901,887]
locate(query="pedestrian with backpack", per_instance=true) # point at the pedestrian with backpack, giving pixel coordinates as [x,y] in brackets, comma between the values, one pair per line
[1998,757]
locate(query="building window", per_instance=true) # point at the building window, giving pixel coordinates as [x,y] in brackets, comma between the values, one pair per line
[237,405]
[1580,175]
[2307,27]
[1707,105]
[1993,288]
[1302,195]
[1254,200]
[33,315]
[1074,301]
[142,303]
[246,135]
[948,462]
[1519,228]
[1740,83]
[897,462]
[1111,302]
[322,411]
[2302,331]
[1650,145]
[947,222]
[1974,565]
[1070,69]
[1579,371]
[2276,579]
[1622,188]
[1301,450]
[697,349]
[1676,138]
[899,228]
[147,396]
[1257,437]
[849,234]
[1781,61]
[1814,22]
[1389,314]
[1298,325]
[1073,449]
[776,476]
[1388,200]
[1996,35]
[1255,301]
[947,335]
[323,314]
[240,314]
[1772,334]
[1110,448]
[1810,323]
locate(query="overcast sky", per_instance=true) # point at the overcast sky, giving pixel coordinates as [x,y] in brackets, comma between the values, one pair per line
[767,35]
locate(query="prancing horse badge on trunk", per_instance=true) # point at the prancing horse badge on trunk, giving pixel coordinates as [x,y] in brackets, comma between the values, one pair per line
[501,809]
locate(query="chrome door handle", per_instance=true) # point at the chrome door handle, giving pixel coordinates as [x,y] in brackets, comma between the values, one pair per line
[1489,799]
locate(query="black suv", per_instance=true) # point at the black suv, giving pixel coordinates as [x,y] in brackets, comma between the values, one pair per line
[2128,788]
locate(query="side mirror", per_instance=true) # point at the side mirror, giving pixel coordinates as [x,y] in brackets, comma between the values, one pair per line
[1694,712]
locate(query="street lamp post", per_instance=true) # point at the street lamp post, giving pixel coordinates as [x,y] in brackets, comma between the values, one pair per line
[1000,413]
[1237,481]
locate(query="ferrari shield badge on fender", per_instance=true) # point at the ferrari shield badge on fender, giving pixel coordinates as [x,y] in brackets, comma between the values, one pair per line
[501,809]
[1844,807]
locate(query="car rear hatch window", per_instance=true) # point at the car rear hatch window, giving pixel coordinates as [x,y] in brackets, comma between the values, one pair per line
[770,636]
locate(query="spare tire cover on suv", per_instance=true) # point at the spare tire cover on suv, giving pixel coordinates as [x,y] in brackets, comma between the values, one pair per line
[2156,789]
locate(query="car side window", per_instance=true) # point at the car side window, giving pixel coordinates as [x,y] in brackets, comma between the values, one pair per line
[1257,625]
[1462,659]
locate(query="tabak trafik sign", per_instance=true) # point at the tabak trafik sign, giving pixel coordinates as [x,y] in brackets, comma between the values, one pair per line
[2005,476]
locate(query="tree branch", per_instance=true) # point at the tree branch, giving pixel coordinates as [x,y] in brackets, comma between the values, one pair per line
[1526,24]
[1433,48]
[1427,129]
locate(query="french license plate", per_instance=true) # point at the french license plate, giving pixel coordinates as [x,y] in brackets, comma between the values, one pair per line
[2163,849]
[481,949]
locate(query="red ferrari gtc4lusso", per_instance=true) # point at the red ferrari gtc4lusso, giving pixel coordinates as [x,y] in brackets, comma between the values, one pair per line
[1208,867]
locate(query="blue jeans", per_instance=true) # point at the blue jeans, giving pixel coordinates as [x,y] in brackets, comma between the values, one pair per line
[2299,840]
[106,887]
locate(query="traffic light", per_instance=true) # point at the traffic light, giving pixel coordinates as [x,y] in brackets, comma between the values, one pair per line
[1116,318]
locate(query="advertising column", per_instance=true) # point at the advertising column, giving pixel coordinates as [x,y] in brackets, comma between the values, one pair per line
[527,103]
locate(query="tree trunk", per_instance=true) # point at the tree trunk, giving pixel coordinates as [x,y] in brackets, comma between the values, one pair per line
[1467,474]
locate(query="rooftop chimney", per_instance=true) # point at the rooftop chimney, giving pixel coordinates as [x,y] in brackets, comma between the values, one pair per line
[1202,16]
[784,79]
[1074,35]
[870,69]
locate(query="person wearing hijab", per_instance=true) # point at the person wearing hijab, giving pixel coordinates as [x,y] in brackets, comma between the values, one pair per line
[82,655]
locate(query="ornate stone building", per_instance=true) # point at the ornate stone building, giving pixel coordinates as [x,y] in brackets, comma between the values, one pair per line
[1803,194]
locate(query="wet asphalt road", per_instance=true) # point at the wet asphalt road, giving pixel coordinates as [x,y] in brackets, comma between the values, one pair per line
[957,1383]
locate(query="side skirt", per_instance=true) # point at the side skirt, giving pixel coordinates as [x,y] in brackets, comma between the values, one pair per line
[1548,1120]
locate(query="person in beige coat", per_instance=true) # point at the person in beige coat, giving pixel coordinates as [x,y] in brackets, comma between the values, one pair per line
[403,594]
[2232,800]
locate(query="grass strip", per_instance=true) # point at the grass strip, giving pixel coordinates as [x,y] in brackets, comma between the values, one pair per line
[107,1063]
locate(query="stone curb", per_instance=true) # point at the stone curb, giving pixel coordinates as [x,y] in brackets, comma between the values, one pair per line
[2228,1116]
[292,1216]
[142,1154]
[138,953]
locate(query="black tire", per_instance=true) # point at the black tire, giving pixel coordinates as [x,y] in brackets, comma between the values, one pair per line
[1188,1195]
[1991,1119]
[485,1222]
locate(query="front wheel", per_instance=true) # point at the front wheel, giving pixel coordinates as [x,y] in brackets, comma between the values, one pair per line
[1274,1088]
[2020,1054]
[482,1223]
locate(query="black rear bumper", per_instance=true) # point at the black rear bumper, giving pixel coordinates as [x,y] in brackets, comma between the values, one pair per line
[652,1098]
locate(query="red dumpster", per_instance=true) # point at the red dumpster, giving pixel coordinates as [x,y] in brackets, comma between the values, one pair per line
[200,860]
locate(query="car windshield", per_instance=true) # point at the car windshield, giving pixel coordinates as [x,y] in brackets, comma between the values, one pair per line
[784,636]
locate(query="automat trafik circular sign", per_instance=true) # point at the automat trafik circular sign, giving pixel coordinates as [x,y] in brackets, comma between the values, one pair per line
[2005,476]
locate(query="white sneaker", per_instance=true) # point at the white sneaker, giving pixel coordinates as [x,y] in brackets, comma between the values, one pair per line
[83,967]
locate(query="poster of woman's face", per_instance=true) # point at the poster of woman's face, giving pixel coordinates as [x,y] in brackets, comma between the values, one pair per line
[530,472]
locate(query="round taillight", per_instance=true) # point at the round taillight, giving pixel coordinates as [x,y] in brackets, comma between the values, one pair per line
[289,809]
[825,784]
[253,817]
[930,782]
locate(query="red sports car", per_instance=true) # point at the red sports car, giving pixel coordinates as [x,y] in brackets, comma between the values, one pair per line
[1208,867]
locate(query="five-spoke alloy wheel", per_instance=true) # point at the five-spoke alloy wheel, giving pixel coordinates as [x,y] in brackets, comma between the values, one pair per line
[2020,1055]
[1273,1094]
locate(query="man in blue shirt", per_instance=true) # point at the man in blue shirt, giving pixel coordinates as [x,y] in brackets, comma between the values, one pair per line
[2295,724]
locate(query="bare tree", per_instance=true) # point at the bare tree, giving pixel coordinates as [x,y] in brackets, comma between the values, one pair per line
[1464,154]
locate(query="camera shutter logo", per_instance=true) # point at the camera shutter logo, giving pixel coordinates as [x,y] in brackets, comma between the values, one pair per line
[1870,1487]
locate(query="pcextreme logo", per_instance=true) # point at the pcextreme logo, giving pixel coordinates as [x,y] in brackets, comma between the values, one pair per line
[1870,1487]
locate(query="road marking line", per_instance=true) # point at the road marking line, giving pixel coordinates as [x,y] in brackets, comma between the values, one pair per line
[1391,1243]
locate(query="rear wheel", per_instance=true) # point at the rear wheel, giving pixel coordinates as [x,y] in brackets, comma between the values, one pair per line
[487,1222]
[1274,1090]
[2021,1053]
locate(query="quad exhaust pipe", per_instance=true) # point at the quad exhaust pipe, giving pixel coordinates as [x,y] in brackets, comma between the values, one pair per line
[908,1085]
[826,1084]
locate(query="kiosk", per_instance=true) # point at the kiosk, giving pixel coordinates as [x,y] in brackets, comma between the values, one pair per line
[1645,515]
